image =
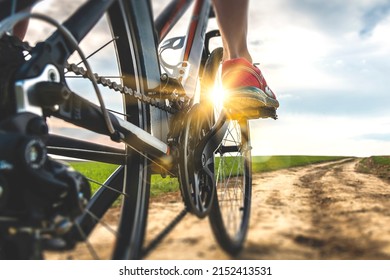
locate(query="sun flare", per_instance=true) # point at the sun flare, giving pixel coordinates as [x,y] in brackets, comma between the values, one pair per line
[217,95]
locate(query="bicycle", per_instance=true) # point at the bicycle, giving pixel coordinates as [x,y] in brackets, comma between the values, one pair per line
[169,126]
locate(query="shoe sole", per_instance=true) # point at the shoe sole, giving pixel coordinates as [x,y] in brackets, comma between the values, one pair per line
[250,103]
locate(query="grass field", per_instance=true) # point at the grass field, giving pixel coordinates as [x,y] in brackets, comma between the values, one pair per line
[263,163]
[382,160]
[377,165]
[101,171]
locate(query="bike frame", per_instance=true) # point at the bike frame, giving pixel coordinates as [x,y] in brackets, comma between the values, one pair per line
[140,140]
[83,113]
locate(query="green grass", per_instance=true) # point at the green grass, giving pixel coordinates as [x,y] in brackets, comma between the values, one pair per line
[377,165]
[382,160]
[101,171]
[163,185]
[374,162]
[264,163]
[96,171]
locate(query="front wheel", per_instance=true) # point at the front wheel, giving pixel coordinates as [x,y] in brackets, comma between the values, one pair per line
[230,206]
[230,212]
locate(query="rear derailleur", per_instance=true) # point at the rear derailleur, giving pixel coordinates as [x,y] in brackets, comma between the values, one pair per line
[40,197]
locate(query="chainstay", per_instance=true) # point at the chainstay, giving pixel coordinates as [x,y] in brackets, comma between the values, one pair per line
[153,98]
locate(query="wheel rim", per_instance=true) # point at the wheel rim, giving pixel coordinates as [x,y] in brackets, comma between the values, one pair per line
[114,234]
[231,176]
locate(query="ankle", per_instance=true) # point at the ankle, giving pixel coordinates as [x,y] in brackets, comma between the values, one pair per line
[236,55]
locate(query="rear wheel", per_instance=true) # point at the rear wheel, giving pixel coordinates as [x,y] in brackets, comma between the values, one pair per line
[230,211]
[113,223]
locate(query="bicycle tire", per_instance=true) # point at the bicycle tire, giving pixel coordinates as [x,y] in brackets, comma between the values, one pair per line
[134,174]
[135,208]
[230,210]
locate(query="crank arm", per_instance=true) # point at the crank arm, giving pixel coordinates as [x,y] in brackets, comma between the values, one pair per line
[211,141]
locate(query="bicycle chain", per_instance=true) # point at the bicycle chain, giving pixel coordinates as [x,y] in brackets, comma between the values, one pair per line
[168,102]
[158,102]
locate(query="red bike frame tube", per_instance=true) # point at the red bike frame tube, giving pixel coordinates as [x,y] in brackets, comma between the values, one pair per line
[194,43]
[170,16]
[193,28]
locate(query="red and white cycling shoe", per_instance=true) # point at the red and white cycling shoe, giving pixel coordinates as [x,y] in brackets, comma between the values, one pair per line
[247,95]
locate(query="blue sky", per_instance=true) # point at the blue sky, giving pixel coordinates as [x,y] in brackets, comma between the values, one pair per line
[329,64]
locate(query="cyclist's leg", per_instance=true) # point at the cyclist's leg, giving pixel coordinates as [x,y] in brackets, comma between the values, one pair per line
[20,29]
[247,88]
[232,17]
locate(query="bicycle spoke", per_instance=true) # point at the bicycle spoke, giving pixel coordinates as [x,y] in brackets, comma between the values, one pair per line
[99,49]
[96,51]
[104,224]
[107,187]
[87,243]
[153,161]
[229,174]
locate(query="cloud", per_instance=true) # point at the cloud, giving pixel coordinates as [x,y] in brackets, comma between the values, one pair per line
[385,137]
[312,134]
[340,17]
[373,16]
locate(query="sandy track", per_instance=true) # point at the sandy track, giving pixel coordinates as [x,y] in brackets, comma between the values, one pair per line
[323,211]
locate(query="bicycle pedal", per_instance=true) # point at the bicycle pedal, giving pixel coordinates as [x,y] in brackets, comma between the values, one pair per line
[252,113]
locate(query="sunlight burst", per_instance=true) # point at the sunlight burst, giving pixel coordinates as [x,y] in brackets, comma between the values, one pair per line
[217,95]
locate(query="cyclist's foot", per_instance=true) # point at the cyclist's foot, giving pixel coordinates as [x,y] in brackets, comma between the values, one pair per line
[247,93]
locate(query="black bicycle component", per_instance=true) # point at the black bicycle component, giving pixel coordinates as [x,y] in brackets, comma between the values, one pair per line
[38,195]
[11,58]
[30,167]
[31,218]
[6,6]
[4,187]
[25,123]
[48,94]
[196,169]
[209,35]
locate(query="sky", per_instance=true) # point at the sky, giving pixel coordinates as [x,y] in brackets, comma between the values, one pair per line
[329,64]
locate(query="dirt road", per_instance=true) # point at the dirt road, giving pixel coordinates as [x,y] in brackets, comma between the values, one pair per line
[323,211]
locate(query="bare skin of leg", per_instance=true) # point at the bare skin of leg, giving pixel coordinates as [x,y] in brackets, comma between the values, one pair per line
[232,17]
[20,29]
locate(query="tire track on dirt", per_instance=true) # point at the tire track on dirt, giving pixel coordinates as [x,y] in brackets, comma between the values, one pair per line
[340,214]
[321,211]
[349,214]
